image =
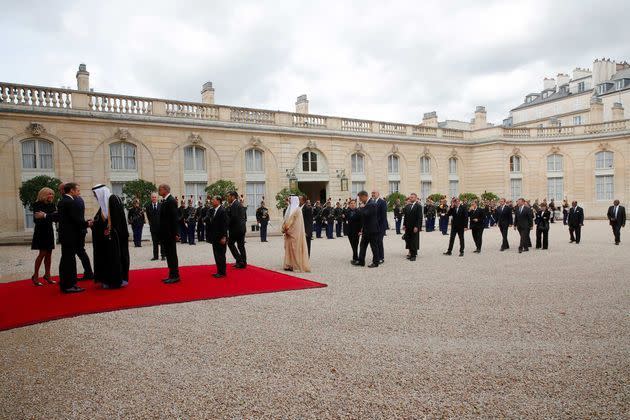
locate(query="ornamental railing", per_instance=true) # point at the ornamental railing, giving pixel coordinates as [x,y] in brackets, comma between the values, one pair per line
[35,96]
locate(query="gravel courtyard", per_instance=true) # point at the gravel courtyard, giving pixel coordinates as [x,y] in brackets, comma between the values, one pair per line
[544,334]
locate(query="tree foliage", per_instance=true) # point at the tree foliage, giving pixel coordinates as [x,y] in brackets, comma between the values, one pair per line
[468,197]
[30,189]
[282,195]
[436,197]
[489,196]
[391,200]
[139,189]
[221,188]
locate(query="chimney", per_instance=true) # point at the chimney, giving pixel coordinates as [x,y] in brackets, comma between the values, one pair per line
[207,93]
[617,111]
[480,118]
[603,70]
[578,73]
[301,105]
[561,80]
[430,119]
[597,111]
[549,83]
[83,79]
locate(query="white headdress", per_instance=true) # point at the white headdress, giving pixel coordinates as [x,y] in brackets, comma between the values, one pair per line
[294,204]
[102,194]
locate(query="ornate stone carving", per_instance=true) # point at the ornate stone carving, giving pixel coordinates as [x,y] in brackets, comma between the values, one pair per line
[255,141]
[311,144]
[453,152]
[122,134]
[603,146]
[36,129]
[554,150]
[425,151]
[395,150]
[194,138]
[358,147]
[516,151]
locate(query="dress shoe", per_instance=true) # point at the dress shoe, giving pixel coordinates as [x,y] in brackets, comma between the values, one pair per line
[218,276]
[476,251]
[526,250]
[36,282]
[89,276]
[73,289]
[240,265]
[408,256]
[171,281]
[163,258]
[358,263]
[520,251]
[447,253]
[503,249]
[48,279]
[461,254]
[154,259]
[373,265]
[412,258]
[616,243]
[381,261]
[571,241]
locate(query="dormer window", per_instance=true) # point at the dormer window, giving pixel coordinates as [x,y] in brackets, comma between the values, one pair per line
[580,87]
[620,84]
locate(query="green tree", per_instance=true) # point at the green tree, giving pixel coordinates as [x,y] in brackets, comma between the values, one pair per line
[30,189]
[221,188]
[391,200]
[468,197]
[436,197]
[139,189]
[489,196]
[282,195]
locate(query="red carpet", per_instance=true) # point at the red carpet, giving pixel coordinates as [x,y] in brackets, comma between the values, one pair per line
[22,304]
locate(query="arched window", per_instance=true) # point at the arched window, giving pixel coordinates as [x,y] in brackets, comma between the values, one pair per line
[357,163]
[392,164]
[452,166]
[604,160]
[425,165]
[554,163]
[309,162]
[604,175]
[37,154]
[123,156]
[515,164]
[194,159]
[253,161]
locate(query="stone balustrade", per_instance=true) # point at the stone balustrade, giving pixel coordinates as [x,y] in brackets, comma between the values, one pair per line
[15,96]
[35,96]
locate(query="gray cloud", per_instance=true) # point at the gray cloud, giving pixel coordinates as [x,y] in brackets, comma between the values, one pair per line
[390,61]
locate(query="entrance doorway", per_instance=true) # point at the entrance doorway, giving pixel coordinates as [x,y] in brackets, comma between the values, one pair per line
[315,190]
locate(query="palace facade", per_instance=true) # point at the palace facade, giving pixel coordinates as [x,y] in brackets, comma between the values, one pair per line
[92,138]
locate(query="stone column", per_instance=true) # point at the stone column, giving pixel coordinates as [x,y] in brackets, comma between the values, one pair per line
[617,111]
[597,111]
[480,118]
[83,79]
[207,93]
[301,105]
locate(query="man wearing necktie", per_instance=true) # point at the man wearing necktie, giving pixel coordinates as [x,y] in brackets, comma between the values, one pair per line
[617,219]
[576,221]
[459,223]
[152,210]
[524,222]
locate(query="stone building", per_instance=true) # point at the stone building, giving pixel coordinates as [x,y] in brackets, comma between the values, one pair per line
[95,137]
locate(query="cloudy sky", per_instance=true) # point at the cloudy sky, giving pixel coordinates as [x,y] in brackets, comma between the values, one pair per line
[384,60]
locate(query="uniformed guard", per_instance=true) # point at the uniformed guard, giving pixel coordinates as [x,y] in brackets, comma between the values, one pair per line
[262,217]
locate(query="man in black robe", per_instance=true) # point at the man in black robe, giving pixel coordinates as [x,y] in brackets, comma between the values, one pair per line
[218,233]
[169,228]
[307,214]
[413,225]
[110,237]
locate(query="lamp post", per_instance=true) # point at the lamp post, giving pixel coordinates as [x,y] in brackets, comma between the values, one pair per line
[341,174]
[293,181]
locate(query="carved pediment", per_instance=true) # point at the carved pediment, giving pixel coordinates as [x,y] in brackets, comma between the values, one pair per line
[122,134]
[194,138]
[255,141]
[35,129]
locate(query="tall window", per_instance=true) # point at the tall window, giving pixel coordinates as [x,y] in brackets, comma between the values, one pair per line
[425,189]
[254,161]
[577,120]
[309,162]
[452,166]
[37,154]
[392,164]
[516,188]
[394,186]
[357,186]
[194,159]
[196,189]
[555,188]
[425,165]
[255,193]
[453,188]
[554,163]
[604,160]
[357,163]
[123,156]
[515,164]
[604,187]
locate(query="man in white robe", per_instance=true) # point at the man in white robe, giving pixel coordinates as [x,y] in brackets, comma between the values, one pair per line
[295,248]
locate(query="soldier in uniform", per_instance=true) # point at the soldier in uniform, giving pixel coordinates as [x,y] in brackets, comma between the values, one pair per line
[191,222]
[398,215]
[328,217]
[181,217]
[201,229]
[317,216]
[429,212]
[262,217]
[338,212]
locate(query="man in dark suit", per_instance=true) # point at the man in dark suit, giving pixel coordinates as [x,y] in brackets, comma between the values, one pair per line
[307,214]
[152,210]
[237,228]
[88,273]
[71,236]
[412,224]
[459,223]
[503,217]
[169,232]
[477,217]
[617,219]
[218,236]
[576,221]
[524,223]
[381,217]
[369,231]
